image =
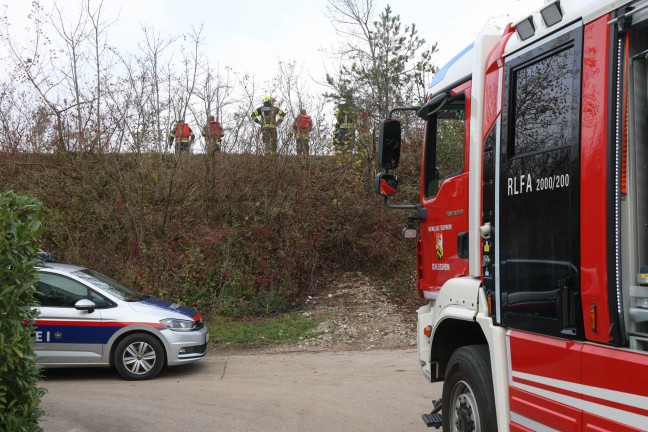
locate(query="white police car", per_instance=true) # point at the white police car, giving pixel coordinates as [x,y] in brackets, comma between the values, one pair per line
[87,319]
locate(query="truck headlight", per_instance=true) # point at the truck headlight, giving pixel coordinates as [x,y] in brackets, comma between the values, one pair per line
[178,324]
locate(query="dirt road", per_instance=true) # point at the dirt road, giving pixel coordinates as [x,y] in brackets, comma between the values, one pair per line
[371,390]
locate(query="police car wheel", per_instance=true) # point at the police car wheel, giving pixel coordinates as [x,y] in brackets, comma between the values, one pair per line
[139,357]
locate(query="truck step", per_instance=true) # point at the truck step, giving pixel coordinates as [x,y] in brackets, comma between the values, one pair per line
[433,420]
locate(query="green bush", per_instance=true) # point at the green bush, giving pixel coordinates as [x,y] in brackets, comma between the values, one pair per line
[234,235]
[19,375]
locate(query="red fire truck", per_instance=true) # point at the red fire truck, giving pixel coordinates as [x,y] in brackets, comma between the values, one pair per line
[532,223]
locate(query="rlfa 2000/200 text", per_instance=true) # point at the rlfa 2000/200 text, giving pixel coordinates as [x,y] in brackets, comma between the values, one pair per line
[525,183]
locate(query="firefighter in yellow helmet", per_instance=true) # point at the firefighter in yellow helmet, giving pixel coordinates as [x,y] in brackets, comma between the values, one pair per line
[344,129]
[269,117]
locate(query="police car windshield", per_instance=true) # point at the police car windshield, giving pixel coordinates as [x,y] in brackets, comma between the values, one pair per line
[111,286]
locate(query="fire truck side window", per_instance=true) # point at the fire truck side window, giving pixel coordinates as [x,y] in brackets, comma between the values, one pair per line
[444,150]
[543,116]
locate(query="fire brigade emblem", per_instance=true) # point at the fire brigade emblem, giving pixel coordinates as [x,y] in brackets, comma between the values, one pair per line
[439,246]
[58,335]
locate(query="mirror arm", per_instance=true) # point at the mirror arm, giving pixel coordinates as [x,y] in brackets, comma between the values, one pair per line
[433,105]
[410,108]
[421,212]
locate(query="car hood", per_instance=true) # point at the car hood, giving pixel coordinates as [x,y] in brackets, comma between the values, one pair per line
[164,307]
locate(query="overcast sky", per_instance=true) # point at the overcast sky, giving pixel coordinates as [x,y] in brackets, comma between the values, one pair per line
[252,36]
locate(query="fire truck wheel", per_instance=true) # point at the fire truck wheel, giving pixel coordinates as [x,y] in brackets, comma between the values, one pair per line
[468,398]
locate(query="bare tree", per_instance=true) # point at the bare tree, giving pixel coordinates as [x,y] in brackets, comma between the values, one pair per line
[245,134]
[186,79]
[33,65]
[74,36]
[291,86]
[22,128]
[215,91]
[154,47]
[98,40]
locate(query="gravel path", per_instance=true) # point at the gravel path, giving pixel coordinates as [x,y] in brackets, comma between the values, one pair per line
[356,316]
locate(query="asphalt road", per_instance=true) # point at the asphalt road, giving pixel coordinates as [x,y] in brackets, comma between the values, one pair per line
[325,391]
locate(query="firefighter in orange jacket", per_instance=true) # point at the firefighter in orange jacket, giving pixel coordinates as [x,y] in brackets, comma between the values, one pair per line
[302,127]
[269,117]
[213,134]
[183,136]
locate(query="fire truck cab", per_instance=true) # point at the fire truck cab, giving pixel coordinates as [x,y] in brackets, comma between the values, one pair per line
[532,245]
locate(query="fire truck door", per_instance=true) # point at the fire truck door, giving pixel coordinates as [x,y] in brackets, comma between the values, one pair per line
[538,227]
[538,230]
[444,235]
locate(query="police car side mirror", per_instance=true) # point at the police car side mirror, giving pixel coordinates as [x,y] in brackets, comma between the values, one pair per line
[85,305]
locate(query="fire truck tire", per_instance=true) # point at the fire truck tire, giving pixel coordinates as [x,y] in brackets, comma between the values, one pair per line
[468,397]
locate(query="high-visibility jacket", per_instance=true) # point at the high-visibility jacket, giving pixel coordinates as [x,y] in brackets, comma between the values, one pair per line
[344,120]
[268,116]
[303,123]
[303,126]
[213,132]
[181,132]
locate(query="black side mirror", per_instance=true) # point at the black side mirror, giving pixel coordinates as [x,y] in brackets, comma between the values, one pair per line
[386,184]
[389,144]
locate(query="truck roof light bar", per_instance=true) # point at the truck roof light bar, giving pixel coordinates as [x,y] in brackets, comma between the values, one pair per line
[552,14]
[525,28]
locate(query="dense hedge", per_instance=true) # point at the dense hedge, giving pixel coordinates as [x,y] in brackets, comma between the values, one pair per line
[19,394]
[229,234]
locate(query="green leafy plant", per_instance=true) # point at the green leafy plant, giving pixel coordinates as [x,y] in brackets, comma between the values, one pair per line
[19,375]
[267,331]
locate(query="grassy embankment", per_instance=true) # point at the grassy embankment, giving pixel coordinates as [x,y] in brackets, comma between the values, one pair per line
[286,328]
[237,237]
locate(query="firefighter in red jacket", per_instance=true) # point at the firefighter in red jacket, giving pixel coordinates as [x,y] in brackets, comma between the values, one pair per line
[269,117]
[302,128]
[183,136]
[213,134]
